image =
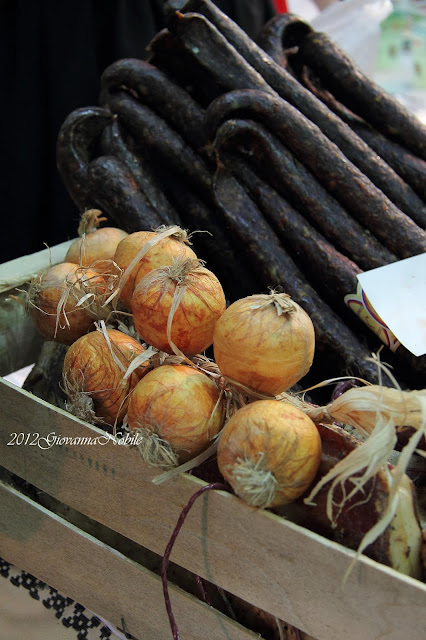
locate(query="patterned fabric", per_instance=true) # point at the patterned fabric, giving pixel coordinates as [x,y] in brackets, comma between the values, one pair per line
[72,615]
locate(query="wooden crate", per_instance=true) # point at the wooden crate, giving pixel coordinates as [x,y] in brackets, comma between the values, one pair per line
[272,563]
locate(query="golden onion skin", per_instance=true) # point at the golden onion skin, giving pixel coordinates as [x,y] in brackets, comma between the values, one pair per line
[99,245]
[180,405]
[277,437]
[261,349]
[45,295]
[159,255]
[90,368]
[194,319]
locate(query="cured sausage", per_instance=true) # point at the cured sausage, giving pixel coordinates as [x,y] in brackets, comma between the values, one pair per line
[113,143]
[293,181]
[358,195]
[155,90]
[115,191]
[75,149]
[155,136]
[282,82]
[332,273]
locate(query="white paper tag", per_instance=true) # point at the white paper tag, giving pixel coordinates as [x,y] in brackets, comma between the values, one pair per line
[397,292]
[362,307]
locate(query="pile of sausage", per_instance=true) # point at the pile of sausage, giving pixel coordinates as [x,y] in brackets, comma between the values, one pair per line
[301,172]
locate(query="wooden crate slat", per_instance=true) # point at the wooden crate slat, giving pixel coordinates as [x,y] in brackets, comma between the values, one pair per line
[20,270]
[101,578]
[19,341]
[272,563]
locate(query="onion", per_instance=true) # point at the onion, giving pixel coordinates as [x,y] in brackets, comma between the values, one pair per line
[53,301]
[175,308]
[93,373]
[265,342]
[269,451]
[94,245]
[160,252]
[361,408]
[176,410]
[378,413]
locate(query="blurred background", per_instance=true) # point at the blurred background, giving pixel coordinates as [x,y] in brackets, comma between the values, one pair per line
[401,56]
